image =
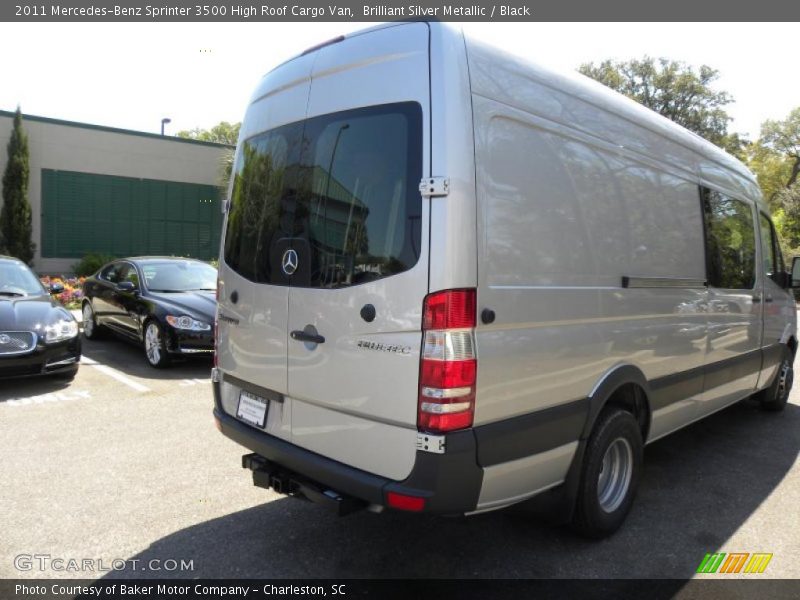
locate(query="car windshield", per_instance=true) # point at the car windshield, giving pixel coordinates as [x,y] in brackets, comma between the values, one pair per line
[17,280]
[179,276]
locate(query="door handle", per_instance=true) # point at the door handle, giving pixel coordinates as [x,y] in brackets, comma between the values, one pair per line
[756,299]
[305,336]
[768,299]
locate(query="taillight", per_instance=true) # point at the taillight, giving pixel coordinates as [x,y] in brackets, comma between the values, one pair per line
[448,363]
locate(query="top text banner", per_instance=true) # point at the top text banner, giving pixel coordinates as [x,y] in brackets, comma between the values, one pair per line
[397,10]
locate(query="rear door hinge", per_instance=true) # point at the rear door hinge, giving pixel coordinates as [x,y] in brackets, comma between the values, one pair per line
[431,443]
[434,186]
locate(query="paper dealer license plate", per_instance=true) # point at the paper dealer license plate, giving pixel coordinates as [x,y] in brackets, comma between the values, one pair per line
[252,409]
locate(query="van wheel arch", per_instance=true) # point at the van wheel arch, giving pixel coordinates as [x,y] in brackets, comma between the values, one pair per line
[626,387]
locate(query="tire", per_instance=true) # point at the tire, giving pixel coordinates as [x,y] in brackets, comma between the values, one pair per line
[155,348]
[775,397]
[610,474]
[91,330]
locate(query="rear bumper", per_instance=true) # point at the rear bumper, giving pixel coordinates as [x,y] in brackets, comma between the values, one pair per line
[450,482]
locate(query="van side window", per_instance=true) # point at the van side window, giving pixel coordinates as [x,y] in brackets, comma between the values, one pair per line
[770,248]
[767,246]
[730,241]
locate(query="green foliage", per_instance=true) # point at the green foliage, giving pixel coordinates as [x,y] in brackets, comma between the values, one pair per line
[222,133]
[783,137]
[15,216]
[674,90]
[90,264]
[775,160]
[771,168]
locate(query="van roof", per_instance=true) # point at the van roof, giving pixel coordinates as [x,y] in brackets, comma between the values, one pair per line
[599,97]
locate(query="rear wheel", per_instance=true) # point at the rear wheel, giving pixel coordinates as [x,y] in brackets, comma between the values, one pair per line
[775,397]
[610,474]
[155,347]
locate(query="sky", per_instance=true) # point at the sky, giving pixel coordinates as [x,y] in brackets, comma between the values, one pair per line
[131,75]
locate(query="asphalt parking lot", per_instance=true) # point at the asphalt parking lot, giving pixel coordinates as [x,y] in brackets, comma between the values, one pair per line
[125,463]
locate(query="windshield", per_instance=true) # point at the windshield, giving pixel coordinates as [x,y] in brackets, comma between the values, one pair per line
[329,202]
[17,280]
[179,276]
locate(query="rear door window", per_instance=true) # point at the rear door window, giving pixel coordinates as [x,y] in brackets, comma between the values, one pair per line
[330,202]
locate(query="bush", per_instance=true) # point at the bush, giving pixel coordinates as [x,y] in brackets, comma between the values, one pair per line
[90,264]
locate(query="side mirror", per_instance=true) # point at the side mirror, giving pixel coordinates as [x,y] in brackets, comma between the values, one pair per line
[126,286]
[795,280]
[56,288]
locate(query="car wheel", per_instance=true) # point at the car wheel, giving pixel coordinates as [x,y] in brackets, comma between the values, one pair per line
[610,474]
[91,330]
[155,348]
[775,397]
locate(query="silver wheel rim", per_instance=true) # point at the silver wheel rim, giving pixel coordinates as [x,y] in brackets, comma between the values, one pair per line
[88,320]
[152,344]
[615,475]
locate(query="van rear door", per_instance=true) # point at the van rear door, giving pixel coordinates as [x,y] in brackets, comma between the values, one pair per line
[359,255]
[254,294]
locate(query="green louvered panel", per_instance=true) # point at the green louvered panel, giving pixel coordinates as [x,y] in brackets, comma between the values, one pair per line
[123,216]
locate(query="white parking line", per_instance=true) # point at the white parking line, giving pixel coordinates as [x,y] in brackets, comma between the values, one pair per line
[52,397]
[113,373]
[188,382]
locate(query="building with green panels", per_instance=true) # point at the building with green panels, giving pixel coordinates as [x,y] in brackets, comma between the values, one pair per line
[117,192]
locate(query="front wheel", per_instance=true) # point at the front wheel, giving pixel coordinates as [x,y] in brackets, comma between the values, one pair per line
[775,397]
[155,347]
[610,474]
[91,330]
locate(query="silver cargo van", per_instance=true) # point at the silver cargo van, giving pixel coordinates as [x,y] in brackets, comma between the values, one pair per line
[452,280]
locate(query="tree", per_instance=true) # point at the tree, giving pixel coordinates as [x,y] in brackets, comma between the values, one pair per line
[222,133]
[783,138]
[775,160]
[674,90]
[771,168]
[15,216]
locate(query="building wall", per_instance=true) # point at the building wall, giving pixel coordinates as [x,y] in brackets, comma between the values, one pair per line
[63,146]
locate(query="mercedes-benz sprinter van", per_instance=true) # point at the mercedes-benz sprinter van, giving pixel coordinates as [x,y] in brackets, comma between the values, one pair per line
[452,279]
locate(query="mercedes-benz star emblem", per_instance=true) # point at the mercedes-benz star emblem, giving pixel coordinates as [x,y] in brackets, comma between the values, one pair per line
[289,261]
[4,339]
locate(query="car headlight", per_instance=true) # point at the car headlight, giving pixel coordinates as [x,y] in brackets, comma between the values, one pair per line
[188,323]
[59,331]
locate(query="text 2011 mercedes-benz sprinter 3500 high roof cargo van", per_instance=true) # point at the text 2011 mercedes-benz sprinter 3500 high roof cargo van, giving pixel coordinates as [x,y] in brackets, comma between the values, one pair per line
[452,279]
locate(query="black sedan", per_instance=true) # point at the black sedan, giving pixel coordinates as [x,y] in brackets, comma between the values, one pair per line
[38,336]
[166,304]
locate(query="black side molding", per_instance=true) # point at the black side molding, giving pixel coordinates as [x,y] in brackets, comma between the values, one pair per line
[663,282]
[531,433]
